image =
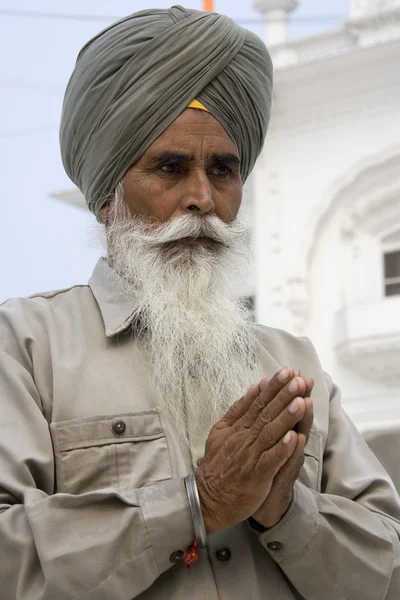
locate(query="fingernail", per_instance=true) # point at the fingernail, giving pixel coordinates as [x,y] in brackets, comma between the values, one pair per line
[294,385]
[283,375]
[294,406]
[287,437]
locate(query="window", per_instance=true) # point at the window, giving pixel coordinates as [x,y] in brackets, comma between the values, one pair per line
[391,262]
[392,273]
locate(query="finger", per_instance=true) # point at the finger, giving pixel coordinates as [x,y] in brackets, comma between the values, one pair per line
[309,385]
[274,458]
[269,389]
[296,387]
[264,383]
[305,424]
[287,420]
[289,472]
[239,408]
[309,381]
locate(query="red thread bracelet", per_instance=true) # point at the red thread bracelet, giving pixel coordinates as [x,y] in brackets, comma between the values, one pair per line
[192,555]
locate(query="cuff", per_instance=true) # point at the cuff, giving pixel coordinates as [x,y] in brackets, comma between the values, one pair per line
[166,511]
[295,529]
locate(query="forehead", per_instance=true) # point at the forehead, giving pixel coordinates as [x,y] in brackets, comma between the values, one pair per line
[194,130]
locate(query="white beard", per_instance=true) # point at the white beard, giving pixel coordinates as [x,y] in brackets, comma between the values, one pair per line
[198,338]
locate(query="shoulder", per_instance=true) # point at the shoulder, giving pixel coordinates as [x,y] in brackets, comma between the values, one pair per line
[282,342]
[61,295]
[42,302]
[28,317]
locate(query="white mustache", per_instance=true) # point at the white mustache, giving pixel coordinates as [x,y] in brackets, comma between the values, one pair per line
[190,226]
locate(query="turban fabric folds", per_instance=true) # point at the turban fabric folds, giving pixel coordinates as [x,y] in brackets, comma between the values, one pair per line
[136,77]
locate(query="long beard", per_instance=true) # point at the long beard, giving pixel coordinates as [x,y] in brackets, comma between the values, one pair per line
[198,338]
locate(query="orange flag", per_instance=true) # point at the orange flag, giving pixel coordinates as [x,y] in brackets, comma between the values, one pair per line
[208,5]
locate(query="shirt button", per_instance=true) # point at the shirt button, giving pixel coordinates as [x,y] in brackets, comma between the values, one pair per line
[176,556]
[199,461]
[274,546]
[223,553]
[118,426]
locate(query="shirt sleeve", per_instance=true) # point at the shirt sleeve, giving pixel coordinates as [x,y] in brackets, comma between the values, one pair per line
[342,543]
[99,545]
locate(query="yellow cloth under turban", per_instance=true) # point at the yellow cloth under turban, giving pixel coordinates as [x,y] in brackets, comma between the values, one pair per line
[197,104]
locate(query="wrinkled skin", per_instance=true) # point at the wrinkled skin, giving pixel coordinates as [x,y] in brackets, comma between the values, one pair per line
[193,166]
[253,454]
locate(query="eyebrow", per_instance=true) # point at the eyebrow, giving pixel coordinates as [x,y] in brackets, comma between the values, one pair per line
[179,158]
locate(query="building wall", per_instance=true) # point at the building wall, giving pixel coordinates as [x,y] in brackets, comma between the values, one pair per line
[326,192]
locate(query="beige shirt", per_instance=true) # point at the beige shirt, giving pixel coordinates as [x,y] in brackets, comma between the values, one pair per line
[92,497]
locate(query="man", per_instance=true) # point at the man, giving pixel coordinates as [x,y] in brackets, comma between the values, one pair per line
[111,482]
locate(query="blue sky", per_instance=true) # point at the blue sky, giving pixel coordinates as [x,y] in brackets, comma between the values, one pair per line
[44,244]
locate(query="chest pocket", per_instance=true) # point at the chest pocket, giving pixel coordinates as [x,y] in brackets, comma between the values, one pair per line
[122,451]
[311,471]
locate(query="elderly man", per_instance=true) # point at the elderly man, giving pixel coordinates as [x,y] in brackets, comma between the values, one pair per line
[154,442]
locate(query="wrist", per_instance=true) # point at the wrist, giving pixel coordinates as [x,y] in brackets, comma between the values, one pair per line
[210,523]
[269,518]
[254,524]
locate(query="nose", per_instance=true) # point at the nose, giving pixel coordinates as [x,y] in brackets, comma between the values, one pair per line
[198,194]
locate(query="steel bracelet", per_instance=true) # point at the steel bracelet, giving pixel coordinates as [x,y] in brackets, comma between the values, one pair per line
[195,509]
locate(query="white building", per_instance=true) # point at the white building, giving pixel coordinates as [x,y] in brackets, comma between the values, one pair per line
[325,201]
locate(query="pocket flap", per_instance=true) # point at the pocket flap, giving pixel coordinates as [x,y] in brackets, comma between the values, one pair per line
[98,431]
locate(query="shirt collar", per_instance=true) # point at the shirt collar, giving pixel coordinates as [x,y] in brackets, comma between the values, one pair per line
[117,308]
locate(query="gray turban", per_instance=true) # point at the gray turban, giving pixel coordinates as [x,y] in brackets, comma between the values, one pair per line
[136,77]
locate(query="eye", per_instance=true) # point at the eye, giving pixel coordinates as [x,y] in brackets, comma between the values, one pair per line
[172,168]
[168,168]
[222,171]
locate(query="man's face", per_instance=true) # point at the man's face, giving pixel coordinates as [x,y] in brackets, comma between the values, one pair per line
[192,166]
